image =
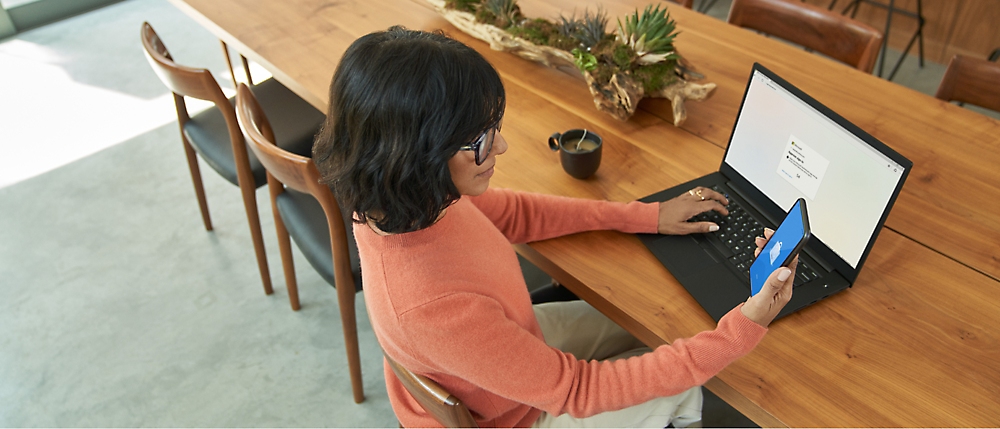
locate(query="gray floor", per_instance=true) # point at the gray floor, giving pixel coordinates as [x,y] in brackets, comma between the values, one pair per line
[116,307]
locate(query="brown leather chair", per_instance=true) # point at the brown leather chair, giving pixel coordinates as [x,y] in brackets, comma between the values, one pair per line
[446,409]
[215,134]
[836,36]
[971,80]
[308,212]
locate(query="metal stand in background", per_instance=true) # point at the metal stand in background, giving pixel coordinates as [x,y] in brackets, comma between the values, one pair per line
[891,8]
[705,6]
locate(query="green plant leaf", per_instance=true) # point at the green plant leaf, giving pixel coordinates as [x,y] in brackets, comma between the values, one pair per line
[585,61]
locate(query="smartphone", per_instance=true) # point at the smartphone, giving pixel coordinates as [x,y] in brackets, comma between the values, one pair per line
[786,242]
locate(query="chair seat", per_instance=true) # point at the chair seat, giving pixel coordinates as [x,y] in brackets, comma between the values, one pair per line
[306,224]
[552,293]
[295,125]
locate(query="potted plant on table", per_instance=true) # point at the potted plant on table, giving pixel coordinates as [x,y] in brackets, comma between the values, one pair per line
[638,60]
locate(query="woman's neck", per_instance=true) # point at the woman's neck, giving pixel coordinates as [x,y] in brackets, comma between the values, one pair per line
[371,224]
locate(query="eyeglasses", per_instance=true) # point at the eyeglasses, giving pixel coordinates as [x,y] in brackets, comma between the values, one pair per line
[484,144]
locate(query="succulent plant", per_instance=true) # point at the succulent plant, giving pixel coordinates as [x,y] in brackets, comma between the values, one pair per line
[505,13]
[569,27]
[462,5]
[650,35]
[592,27]
[584,60]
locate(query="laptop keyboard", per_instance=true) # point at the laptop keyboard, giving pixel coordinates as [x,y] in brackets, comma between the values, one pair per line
[735,239]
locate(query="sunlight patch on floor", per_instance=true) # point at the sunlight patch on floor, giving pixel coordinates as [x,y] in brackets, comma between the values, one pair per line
[48,120]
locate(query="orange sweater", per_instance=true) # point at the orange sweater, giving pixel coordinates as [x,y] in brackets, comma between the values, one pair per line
[449,302]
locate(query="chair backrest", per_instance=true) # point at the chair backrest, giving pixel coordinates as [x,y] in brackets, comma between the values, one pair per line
[197,83]
[446,408]
[295,171]
[831,34]
[184,81]
[971,80]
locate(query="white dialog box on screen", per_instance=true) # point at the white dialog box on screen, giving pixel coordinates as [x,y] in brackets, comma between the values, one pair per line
[803,167]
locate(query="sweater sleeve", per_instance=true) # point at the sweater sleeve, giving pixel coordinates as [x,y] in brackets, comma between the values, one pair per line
[523,217]
[468,336]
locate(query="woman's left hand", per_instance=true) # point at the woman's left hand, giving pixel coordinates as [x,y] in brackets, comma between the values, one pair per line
[675,212]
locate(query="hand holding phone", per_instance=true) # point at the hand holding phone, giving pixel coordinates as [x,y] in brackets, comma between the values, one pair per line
[782,247]
[762,308]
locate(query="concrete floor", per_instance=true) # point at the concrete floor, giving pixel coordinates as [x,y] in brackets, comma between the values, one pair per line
[116,307]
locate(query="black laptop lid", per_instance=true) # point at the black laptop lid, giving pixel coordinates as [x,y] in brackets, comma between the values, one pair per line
[785,145]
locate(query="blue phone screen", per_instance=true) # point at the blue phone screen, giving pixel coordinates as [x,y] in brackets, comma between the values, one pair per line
[782,244]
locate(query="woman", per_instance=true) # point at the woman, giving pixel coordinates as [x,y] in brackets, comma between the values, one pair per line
[410,143]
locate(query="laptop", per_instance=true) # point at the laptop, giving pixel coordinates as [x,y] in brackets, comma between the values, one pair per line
[785,145]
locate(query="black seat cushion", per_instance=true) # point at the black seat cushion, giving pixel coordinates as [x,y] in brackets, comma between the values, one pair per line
[295,124]
[306,223]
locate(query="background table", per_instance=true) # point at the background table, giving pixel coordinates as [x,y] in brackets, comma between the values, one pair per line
[914,343]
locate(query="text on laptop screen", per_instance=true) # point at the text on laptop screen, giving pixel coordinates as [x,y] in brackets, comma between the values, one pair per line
[788,149]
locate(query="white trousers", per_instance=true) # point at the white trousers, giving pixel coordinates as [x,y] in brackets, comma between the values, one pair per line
[576,327]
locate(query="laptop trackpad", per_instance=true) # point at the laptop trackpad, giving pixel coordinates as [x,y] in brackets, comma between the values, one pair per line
[682,255]
[717,290]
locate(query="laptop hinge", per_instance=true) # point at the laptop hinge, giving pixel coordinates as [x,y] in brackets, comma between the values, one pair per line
[755,206]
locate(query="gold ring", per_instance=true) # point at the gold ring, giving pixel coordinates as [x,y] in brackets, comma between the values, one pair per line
[698,193]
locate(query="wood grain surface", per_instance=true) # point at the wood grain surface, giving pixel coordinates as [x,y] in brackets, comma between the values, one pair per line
[913,343]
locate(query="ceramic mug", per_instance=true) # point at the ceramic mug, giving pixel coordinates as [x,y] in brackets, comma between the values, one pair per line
[579,151]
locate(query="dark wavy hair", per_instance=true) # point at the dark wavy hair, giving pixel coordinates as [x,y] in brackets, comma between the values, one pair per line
[402,102]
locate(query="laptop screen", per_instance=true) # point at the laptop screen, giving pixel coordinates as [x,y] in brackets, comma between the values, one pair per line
[788,149]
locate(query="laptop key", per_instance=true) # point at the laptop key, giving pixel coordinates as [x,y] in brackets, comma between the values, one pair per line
[800,279]
[722,248]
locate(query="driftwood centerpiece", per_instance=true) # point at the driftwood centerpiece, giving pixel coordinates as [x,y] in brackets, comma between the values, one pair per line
[620,69]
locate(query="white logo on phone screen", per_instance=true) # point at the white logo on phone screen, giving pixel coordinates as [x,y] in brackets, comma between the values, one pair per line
[775,251]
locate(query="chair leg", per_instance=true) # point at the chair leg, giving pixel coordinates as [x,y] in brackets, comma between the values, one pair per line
[287,263]
[229,62]
[348,320]
[706,5]
[885,38]
[920,30]
[199,187]
[902,56]
[890,9]
[250,203]
[246,67]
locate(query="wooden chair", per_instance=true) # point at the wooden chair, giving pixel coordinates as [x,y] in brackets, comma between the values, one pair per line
[308,212]
[446,409]
[828,33]
[215,135]
[971,80]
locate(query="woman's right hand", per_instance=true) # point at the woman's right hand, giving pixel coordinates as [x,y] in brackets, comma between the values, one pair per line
[763,307]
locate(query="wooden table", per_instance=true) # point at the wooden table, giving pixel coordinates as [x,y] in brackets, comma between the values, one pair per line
[951,199]
[914,343]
